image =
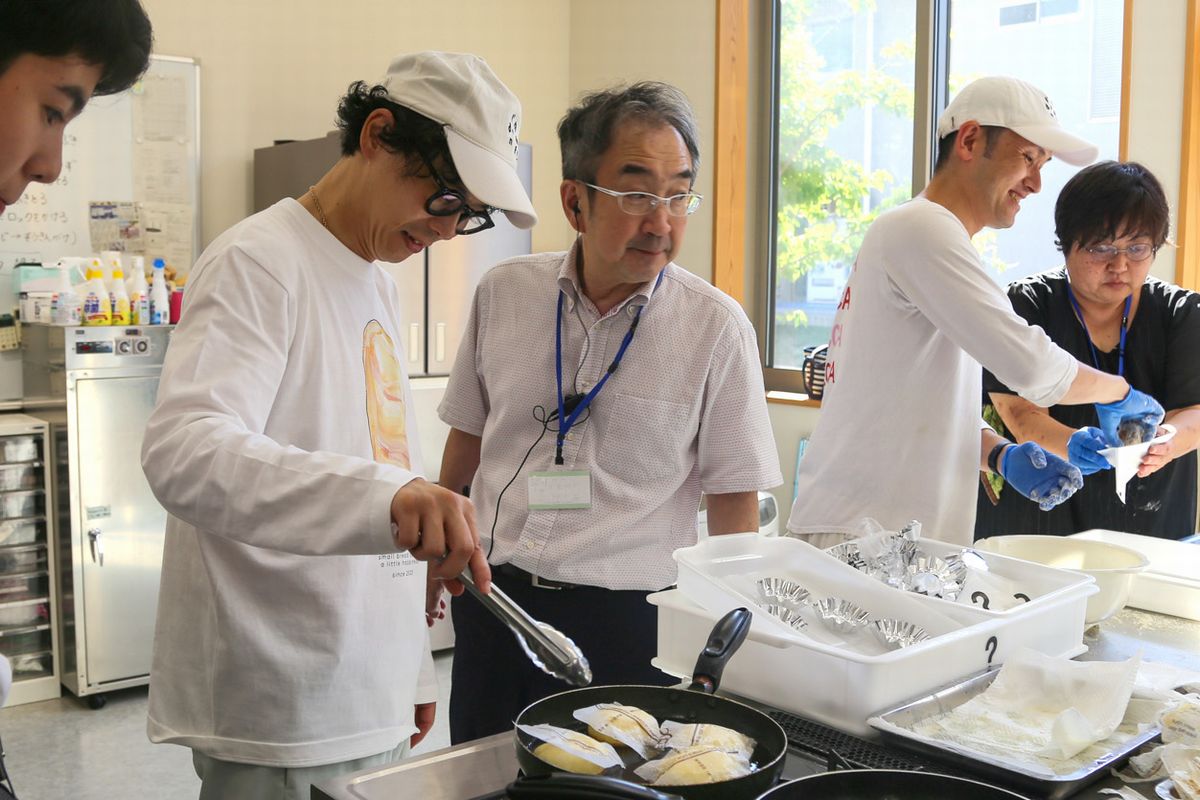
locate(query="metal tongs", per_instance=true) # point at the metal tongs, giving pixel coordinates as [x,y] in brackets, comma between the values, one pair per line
[547,647]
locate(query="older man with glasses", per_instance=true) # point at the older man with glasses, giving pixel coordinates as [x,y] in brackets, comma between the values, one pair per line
[1104,308]
[597,394]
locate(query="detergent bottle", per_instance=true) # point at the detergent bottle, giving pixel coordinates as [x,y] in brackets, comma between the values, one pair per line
[97,307]
[139,293]
[160,303]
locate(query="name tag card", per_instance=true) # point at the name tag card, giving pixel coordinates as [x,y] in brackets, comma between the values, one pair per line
[560,489]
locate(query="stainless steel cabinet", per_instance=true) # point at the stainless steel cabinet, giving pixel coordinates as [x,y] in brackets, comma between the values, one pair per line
[96,386]
[28,627]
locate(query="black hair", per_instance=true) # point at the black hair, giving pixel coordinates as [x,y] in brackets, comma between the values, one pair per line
[113,34]
[1107,200]
[946,144]
[412,135]
[586,131]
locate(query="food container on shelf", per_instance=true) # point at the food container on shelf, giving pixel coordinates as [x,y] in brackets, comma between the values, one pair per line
[20,531]
[24,613]
[811,672]
[29,558]
[24,587]
[1171,583]
[18,448]
[23,642]
[1112,566]
[20,504]
[19,476]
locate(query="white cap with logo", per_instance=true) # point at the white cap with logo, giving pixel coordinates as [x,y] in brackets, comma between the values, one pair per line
[482,120]
[1022,108]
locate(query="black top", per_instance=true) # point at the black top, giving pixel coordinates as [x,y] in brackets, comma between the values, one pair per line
[1162,359]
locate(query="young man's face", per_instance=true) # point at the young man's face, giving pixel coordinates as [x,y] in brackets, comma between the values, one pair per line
[1008,171]
[397,223]
[38,97]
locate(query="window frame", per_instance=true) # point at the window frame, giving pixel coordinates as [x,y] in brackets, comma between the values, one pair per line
[930,82]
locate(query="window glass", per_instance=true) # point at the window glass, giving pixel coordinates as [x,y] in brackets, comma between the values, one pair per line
[1072,51]
[845,152]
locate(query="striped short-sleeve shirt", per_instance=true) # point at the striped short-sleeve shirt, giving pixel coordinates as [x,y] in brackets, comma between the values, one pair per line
[684,414]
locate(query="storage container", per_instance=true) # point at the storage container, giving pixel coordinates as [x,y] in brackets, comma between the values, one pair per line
[1171,583]
[1056,611]
[20,504]
[18,448]
[22,531]
[25,641]
[811,673]
[24,613]
[20,476]
[24,587]
[29,558]
[31,666]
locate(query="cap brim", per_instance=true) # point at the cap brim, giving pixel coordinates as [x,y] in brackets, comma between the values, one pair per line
[491,179]
[1062,145]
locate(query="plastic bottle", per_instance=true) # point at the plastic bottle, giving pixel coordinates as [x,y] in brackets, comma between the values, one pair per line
[66,308]
[160,303]
[118,299]
[97,307]
[139,293]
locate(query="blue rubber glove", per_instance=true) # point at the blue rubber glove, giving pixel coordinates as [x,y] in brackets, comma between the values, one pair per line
[1137,406]
[1042,477]
[1083,449]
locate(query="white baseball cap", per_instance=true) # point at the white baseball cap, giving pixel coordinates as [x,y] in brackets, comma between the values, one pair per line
[1022,108]
[482,120]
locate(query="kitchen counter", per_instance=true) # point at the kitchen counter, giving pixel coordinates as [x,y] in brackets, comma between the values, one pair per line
[482,768]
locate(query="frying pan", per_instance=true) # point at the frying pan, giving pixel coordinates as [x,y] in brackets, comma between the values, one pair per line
[693,704]
[886,784]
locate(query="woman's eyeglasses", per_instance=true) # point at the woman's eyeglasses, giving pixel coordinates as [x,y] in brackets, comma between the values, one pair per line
[1104,253]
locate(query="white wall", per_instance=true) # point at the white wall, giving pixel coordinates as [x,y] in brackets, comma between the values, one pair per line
[274,69]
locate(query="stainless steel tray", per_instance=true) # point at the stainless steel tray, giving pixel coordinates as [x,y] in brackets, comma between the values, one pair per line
[944,700]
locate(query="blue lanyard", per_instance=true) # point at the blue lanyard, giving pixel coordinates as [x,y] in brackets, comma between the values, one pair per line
[565,421]
[1124,330]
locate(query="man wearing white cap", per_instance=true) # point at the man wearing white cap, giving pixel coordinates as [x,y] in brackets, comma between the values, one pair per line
[291,641]
[900,435]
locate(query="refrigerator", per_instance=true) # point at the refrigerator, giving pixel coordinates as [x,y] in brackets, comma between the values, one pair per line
[435,286]
[96,387]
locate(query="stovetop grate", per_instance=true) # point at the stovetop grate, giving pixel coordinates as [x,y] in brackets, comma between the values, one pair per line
[831,746]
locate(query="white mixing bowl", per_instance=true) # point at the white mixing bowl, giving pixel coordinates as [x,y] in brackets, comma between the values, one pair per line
[1111,565]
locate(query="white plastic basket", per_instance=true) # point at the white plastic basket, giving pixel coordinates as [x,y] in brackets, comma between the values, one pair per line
[815,676]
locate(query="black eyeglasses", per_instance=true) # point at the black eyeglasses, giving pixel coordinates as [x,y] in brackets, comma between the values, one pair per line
[447,202]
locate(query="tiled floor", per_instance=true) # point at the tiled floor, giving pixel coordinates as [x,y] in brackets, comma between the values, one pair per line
[63,750]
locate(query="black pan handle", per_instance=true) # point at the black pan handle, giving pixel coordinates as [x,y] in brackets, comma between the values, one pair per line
[726,637]
[565,786]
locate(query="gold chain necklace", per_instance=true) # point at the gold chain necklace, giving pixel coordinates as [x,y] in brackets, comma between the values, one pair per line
[320,211]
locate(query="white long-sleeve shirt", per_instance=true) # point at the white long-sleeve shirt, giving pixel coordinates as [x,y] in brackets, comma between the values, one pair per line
[899,432]
[290,630]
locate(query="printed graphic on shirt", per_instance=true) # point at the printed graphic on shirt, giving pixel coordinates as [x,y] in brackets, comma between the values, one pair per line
[385,397]
[835,336]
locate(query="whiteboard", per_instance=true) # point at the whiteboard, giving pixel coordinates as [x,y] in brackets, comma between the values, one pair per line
[142,145]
